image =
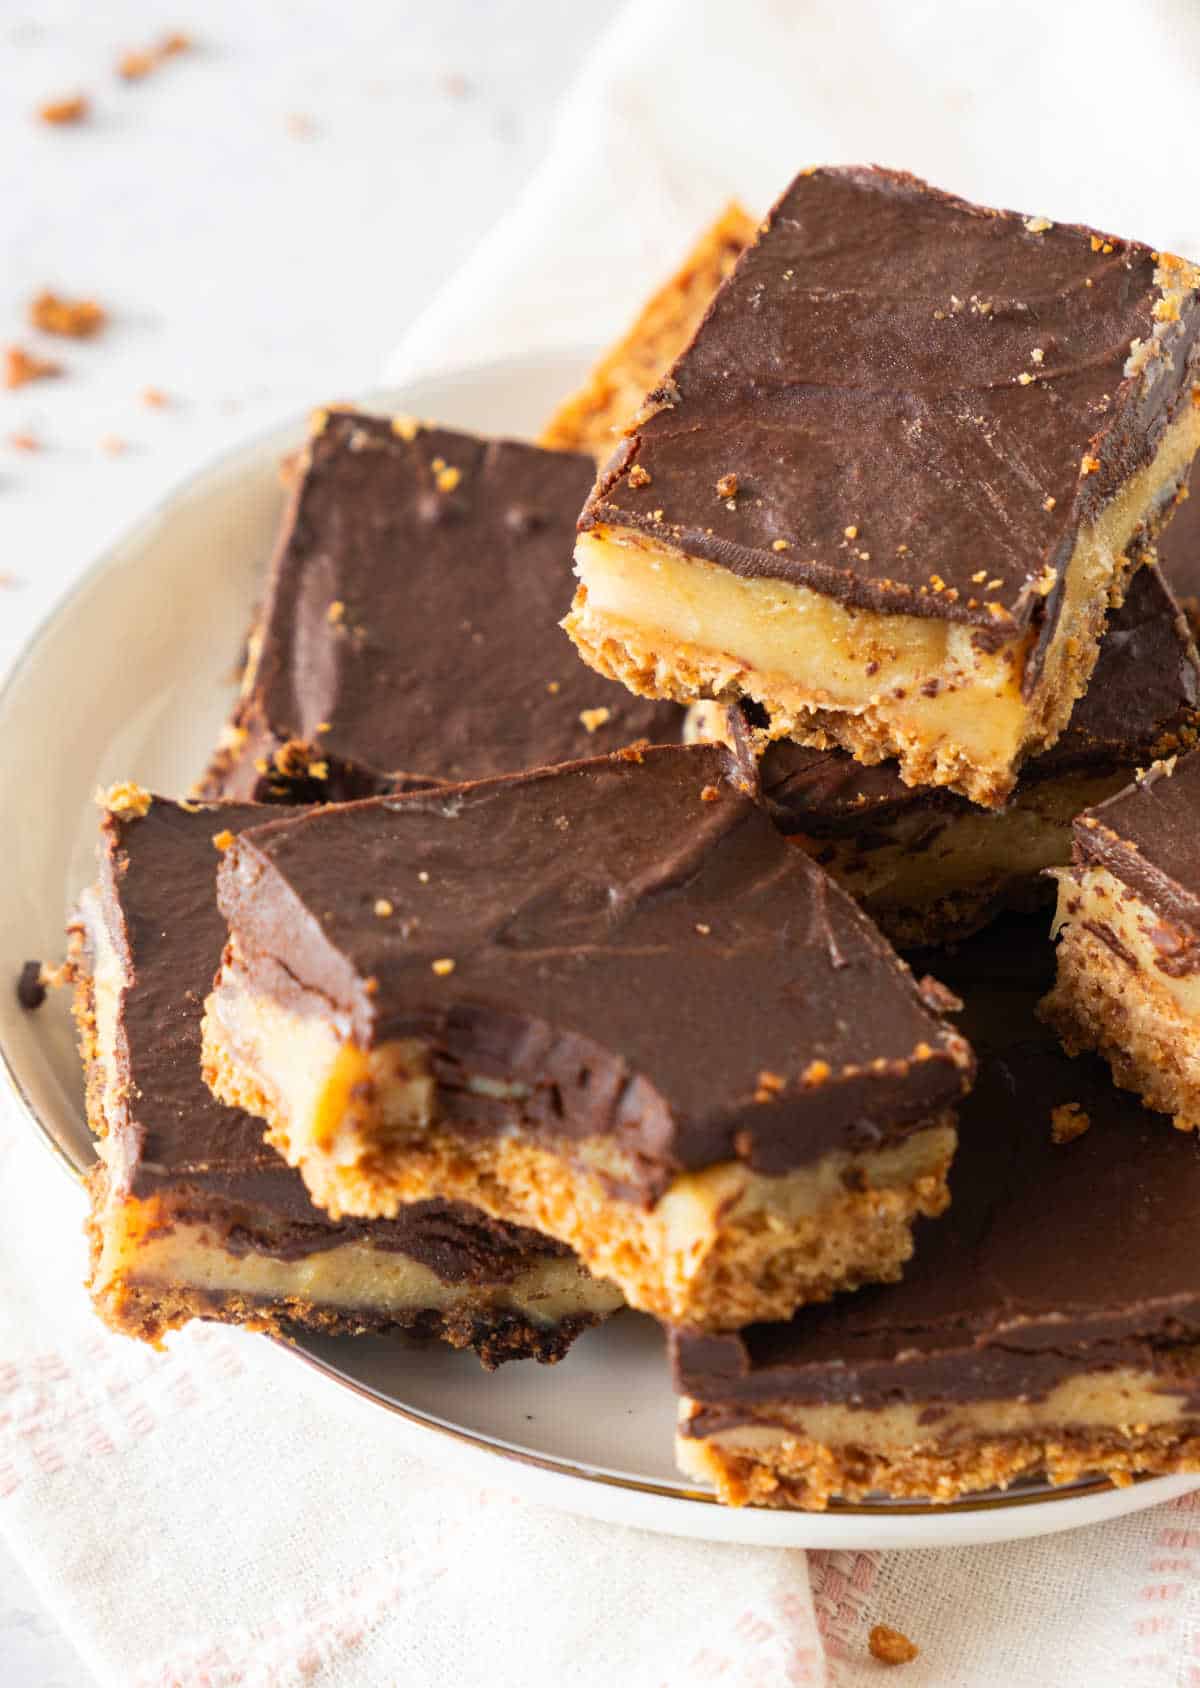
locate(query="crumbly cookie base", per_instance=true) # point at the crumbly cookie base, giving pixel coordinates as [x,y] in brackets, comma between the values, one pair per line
[1100,1003]
[808,1475]
[592,419]
[707,1254]
[226,775]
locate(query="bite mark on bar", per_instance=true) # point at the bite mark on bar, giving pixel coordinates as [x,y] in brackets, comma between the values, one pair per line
[719,1245]
[530,1076]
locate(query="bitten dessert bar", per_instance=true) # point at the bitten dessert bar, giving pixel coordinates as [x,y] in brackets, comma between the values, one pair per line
[931,867]
[410,621]
[592,419]
[1048,1325]
[1128,928]
[893,486]
[605,1000]
[192,1216]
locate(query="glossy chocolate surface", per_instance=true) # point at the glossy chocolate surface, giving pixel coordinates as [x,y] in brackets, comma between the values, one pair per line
[411,617]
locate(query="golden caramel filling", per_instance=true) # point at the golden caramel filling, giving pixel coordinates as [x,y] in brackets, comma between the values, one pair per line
[775,641]
[1124,1399]
[674,625]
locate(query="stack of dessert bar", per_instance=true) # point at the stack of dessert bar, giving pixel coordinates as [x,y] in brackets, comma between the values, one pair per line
[408,637]
[478,994]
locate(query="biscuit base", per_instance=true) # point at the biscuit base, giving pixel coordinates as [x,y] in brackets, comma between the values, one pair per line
[808,1475]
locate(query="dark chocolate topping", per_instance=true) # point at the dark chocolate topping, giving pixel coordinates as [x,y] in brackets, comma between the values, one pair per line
[413,625]
[1149,836]
[1142,702]
[632,940]
[861,370]
[1053,1258]
[172,1138]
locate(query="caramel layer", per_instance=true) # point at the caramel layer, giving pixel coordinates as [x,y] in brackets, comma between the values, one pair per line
[950,707]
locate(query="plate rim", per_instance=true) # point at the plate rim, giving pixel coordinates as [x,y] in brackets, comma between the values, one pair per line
[681,1499]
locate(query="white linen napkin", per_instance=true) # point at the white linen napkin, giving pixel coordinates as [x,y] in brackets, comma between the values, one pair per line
[216,1515]
[1078,110]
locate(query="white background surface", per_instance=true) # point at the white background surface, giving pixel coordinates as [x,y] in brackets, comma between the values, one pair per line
[251,270]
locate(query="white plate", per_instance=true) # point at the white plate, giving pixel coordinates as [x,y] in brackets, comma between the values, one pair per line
[131,679]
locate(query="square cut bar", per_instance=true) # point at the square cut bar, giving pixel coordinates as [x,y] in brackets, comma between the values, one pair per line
[593,418]
[1049,1325]
[893,485]
[931,867]
[192,1215]
[410,621]
[1128,929]
[607,1001]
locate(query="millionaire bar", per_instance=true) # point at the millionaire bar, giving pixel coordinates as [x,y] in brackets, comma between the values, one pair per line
[410,622]
[929,866]
[1128,926]
[605,1000]
[192,1216]
[1048,1326]
[891,489]
[593,418]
